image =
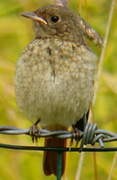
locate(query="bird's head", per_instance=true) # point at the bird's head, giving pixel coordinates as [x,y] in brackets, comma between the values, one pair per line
[57,22]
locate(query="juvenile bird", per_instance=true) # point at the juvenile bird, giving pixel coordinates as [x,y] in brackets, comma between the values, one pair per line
[56,73]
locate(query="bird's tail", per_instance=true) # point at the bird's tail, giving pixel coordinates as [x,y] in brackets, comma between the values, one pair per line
[50,157]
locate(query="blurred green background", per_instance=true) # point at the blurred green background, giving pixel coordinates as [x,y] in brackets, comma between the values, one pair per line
[15,33]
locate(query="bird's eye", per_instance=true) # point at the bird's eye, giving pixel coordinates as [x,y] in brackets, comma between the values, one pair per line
[54,19]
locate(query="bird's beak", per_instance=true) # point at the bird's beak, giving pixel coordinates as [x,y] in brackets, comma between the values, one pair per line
[34,17]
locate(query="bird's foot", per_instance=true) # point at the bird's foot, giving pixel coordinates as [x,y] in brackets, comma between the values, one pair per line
[76,135]
[34,131]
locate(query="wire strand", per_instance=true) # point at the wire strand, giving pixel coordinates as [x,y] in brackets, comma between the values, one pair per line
[91,135]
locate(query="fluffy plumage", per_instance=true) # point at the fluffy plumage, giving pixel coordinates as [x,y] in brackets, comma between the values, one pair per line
[56,73]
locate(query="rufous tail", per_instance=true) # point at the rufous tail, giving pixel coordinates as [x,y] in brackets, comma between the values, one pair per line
[50,157]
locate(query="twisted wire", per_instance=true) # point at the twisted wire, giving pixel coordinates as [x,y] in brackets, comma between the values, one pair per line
[91,135]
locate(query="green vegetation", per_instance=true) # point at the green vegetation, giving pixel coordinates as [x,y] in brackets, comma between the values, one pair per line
[15,33]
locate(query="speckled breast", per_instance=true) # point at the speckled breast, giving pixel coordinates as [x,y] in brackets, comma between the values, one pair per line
[55,81]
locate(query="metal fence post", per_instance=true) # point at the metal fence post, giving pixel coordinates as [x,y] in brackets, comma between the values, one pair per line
[59,165]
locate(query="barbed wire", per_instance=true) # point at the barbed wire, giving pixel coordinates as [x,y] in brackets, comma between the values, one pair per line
[91,135]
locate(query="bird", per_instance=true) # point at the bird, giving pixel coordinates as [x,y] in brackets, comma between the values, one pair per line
[56,74]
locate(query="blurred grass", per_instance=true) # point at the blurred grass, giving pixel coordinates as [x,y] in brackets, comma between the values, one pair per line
[15,34]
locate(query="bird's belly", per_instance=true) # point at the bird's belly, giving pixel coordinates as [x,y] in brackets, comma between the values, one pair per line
[58,94]
[56,100]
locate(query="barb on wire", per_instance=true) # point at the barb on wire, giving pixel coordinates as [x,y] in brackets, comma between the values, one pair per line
[91,135]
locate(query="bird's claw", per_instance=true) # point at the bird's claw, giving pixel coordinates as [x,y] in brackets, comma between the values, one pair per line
[76,135]
[34,131]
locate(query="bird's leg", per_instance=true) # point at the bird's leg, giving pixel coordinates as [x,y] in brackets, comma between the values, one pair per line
[79,127]
[76,134]
[34,131]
